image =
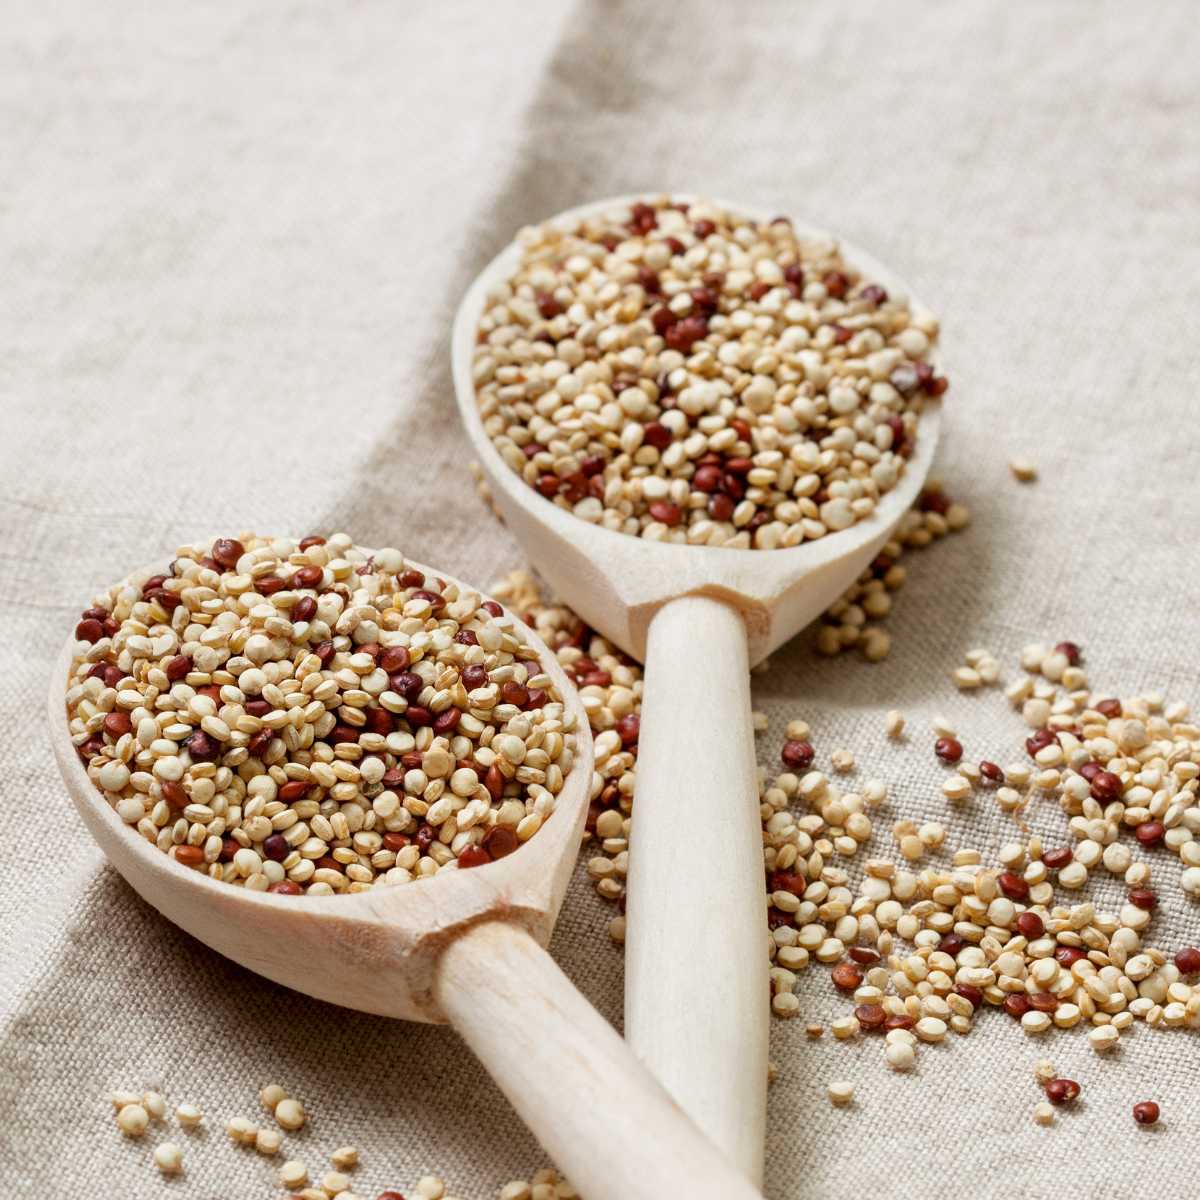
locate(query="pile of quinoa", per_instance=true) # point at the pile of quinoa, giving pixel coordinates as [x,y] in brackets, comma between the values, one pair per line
[921,950]
[678,372]
[310,717]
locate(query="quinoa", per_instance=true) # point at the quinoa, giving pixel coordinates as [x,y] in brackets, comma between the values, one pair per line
[679,372]
[929,950]
[311,717]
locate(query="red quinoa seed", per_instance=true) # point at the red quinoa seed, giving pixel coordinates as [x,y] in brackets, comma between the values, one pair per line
[1062,1091]
[948,749]
[1146,1112]
[1188,960]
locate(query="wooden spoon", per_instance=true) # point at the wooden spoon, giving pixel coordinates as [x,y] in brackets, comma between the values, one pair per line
[465,946]
[696,997]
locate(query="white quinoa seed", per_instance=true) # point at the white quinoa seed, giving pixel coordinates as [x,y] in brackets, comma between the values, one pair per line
[1043,1113]
[1023,470]
[840,1092]
[930,1029]
[268,1142]
[188,1116]
[345,1158]
[966,678]
[168,1158]
[241,1131]
[844,1028]
[293,1174]
[956,787]
[786,1004]
[271,1095]
[132,1120]
[289,1114]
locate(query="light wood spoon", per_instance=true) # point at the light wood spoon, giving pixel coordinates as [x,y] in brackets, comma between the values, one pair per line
[696,994]
[466,946]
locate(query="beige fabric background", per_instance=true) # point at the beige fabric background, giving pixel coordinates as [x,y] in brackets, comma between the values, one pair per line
[231,240]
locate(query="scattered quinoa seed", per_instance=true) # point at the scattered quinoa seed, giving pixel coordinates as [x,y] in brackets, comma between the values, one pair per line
[267,1141]
[132,1120]
[271,1095]
[168,1158]
[1022,469]
[1028,897]
[1043,1113]
[290,1114]
[345,1158]
[786,1004]
[1061,1091]
[948,749]
[1145,1112]
[840,1092]
[956,787]
[293,1174]
[241,1132]
[188,1116]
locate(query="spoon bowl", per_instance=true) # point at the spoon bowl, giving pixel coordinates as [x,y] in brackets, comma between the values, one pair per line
[466,946]
[698,617]
[616,582]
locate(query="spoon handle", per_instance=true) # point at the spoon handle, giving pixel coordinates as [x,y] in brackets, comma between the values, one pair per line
[605,1121]
[696,990]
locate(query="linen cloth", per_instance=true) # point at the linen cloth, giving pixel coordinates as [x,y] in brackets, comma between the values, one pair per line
[233,237]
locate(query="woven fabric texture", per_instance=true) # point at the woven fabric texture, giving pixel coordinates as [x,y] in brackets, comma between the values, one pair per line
[233,239]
